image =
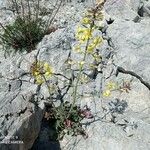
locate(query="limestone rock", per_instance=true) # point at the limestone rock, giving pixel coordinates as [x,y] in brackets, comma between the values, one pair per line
[22,110]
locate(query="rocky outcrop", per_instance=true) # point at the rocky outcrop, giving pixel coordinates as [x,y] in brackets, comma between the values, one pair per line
[20,116]
[130,43]
[22,101]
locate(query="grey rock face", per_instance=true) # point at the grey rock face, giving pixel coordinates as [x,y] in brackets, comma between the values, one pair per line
[127,127]
[20,118]
[131,41]
[128,9]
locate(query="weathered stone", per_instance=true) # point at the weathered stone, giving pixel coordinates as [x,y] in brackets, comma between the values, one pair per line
[22,111]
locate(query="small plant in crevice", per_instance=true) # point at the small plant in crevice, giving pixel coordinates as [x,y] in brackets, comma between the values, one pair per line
[123,86]
[117,106]
[68,114]
[41,71]
[68,124]
[28,28]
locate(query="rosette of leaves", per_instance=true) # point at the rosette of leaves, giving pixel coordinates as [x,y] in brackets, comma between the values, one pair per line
[70,122]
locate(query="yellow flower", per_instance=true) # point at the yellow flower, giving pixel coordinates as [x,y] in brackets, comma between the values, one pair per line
[97,40]
[39,80]
[91,48]
[79,29]
[36,73]
[35,69]
[41,70]
[47,74]
[48,70]
[77,49]
[111,85]
[86,21]
[46,65]
[94,44]
[81,63]
[107,93]
[83,34]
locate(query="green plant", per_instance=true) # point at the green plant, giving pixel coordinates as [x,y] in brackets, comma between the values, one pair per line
[123,86]
[71,125]
[23,34]
[28,28]
[68,116]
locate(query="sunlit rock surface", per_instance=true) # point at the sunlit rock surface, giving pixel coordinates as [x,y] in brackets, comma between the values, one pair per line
[22,112]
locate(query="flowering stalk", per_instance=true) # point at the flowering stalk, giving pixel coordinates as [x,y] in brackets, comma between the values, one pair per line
[83,38]
[68,115]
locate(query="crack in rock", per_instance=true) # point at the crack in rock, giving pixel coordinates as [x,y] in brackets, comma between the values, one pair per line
[122,70]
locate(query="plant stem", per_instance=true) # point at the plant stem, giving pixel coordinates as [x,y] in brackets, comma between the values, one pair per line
[37,9]
[51,18]
[78,77]
[48,91]
[81,67]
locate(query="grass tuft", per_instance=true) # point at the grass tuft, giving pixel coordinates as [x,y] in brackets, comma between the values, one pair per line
[28,28]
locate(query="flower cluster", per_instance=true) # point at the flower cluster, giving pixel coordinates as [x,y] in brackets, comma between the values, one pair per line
[86,21]
[124,86]
[41,71]
[109,88]
[95,42]
[83,34]
[86,33]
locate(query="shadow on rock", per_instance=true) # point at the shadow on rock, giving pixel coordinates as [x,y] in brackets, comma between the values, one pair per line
[47,136]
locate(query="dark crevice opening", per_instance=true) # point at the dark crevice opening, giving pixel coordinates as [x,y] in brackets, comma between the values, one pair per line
[141,11]
[47,138]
